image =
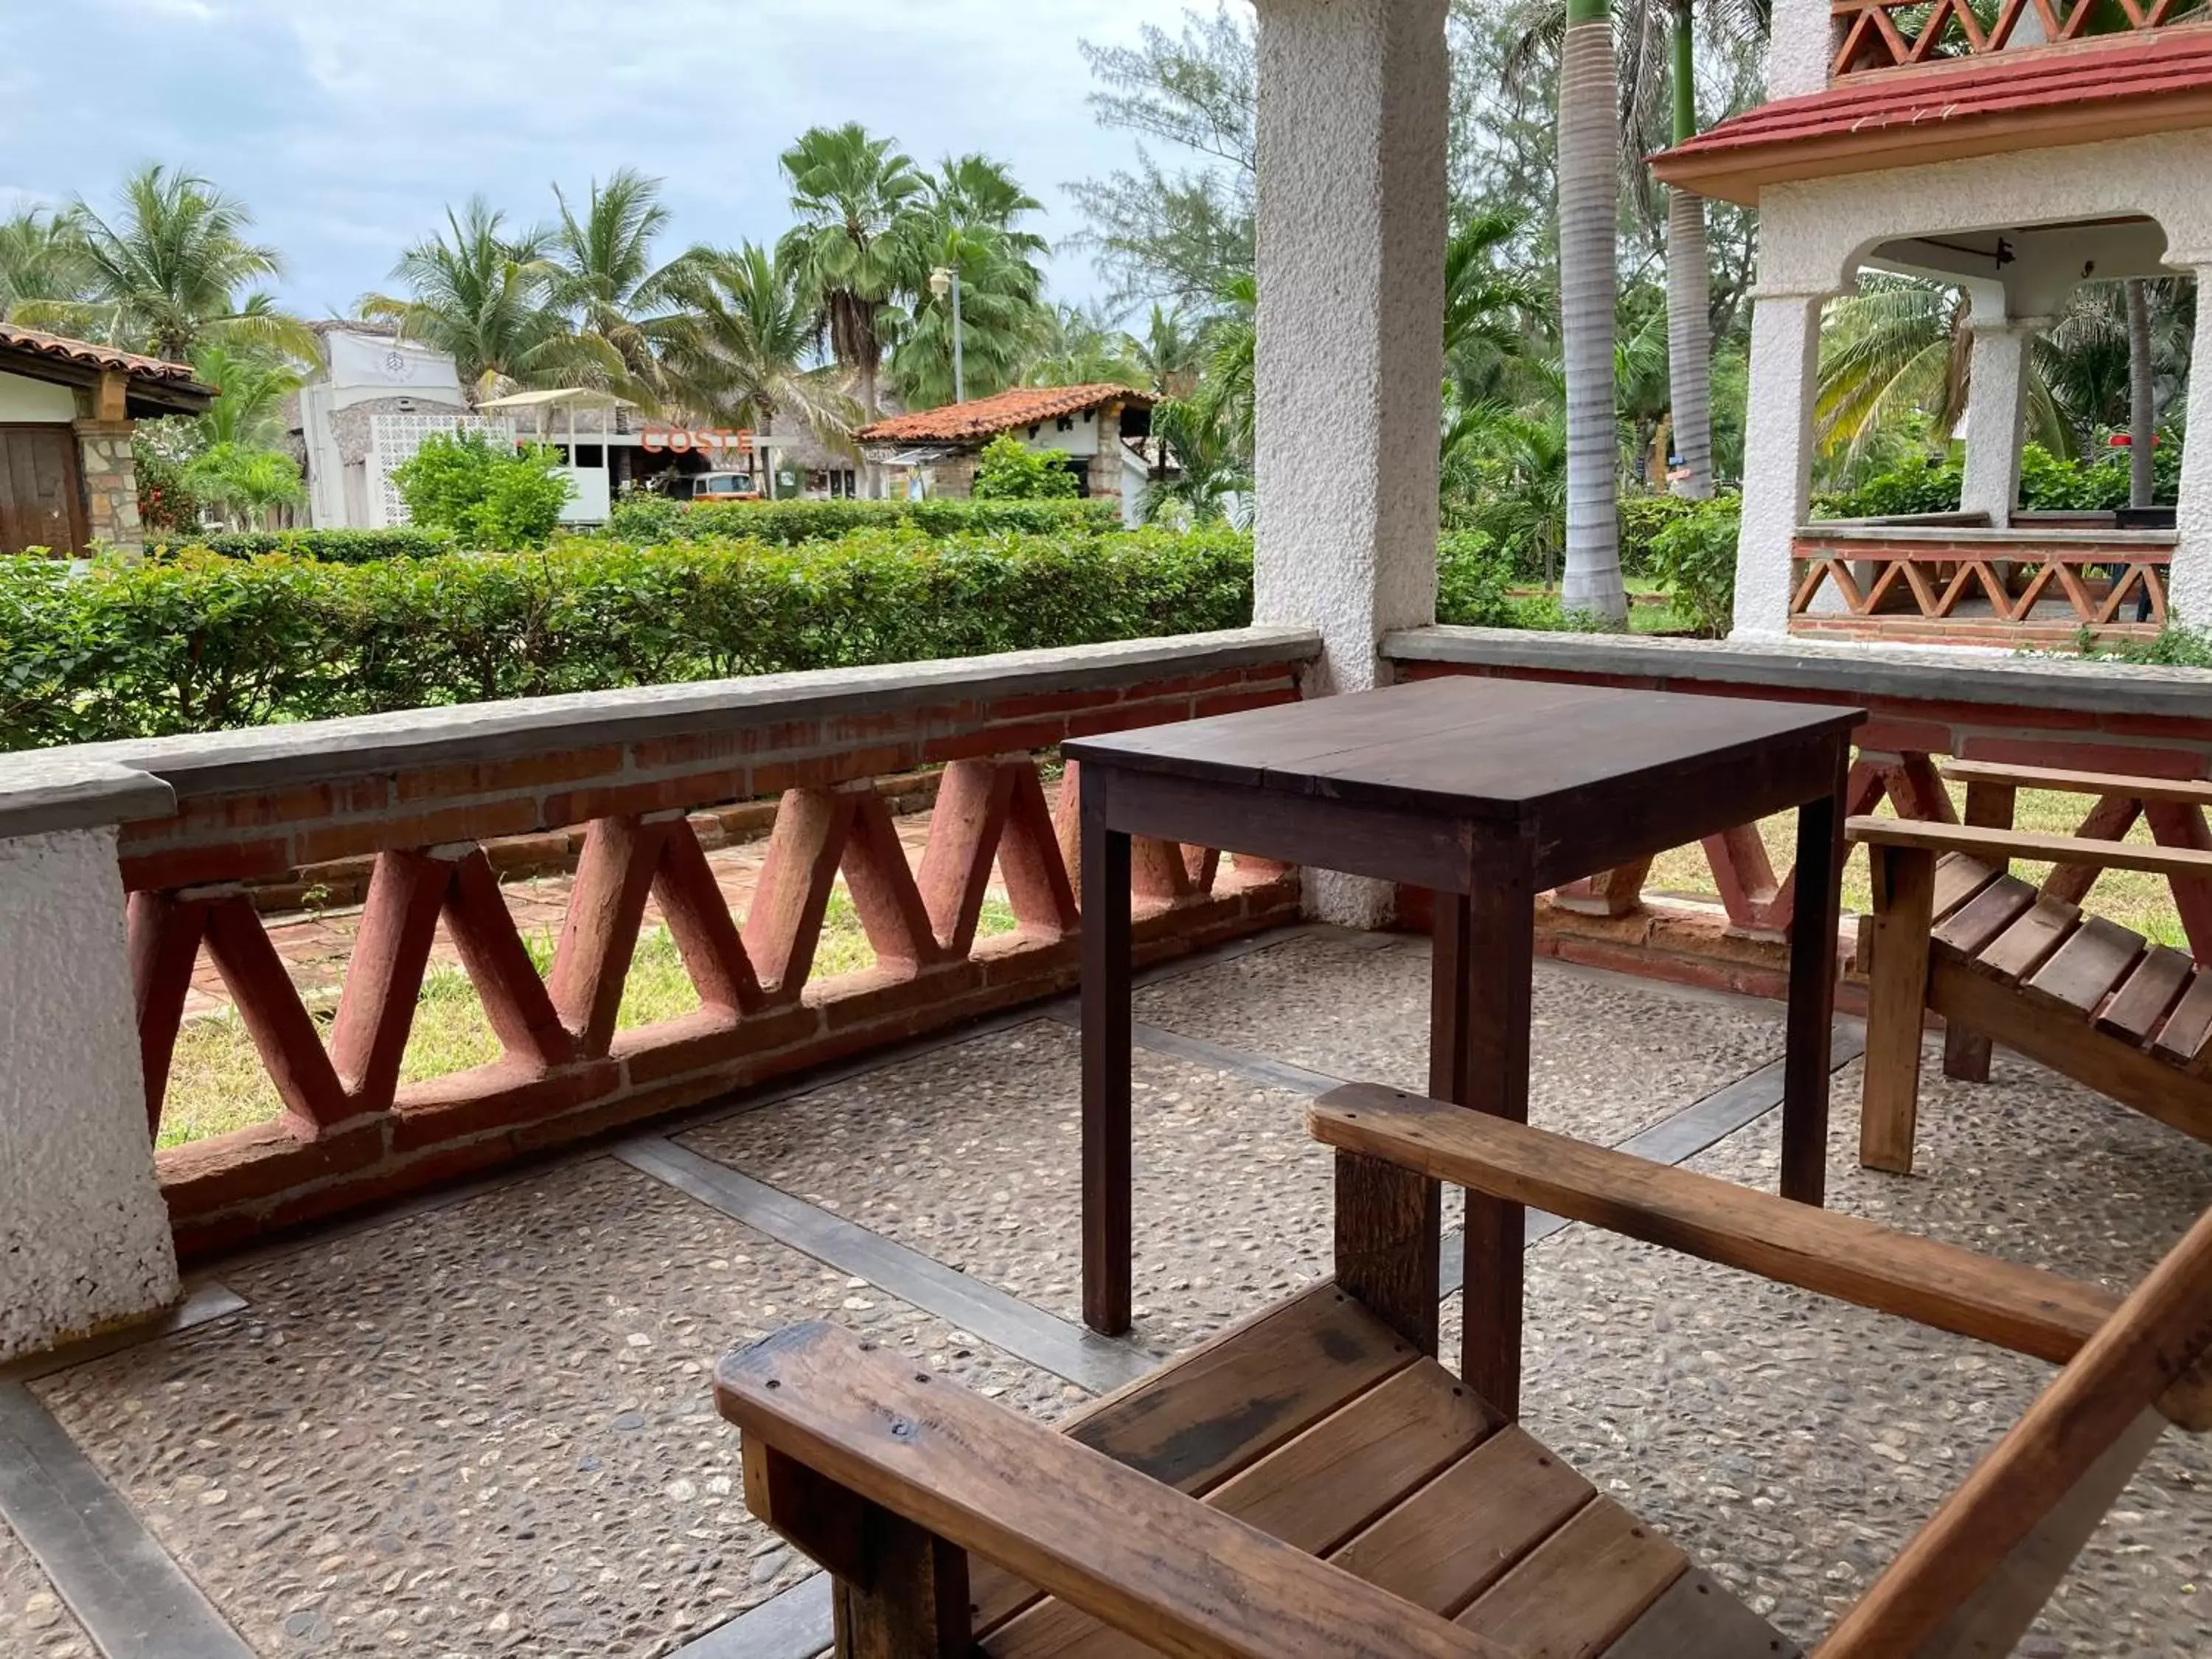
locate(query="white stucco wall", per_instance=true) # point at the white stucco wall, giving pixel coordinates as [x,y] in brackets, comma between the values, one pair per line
[1801,45]
[25,399]
[84,1237]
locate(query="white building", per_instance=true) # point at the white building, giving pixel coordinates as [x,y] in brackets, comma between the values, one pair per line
[367,410]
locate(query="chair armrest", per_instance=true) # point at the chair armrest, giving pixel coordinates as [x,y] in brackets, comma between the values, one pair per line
[2185,791]
[2001,844]
[1136,1555]
[1937,1284]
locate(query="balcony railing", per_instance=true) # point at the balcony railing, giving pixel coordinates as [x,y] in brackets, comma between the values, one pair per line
[1944,579]
[428,797]
[1884,34]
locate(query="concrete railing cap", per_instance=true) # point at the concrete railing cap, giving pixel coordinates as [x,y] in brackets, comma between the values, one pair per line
[45,792]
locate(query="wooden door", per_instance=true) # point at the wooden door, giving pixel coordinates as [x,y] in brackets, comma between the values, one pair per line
[41,491]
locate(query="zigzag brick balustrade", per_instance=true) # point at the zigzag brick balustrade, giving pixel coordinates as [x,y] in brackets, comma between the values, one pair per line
[421,794]
[1884,34]
[1925,704]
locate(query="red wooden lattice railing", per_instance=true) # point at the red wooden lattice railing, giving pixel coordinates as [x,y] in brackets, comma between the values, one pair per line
[1880,34]
[2048,589]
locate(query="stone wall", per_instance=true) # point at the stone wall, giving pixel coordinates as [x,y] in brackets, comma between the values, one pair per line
[110,483]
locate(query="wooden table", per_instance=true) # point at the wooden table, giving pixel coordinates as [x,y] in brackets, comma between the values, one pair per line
[1487,791]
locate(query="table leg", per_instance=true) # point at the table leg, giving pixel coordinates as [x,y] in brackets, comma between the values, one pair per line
[1808,1051]
[1107,1234]
[1492,964]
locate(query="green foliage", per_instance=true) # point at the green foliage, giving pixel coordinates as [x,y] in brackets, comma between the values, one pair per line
[1010,471]
[1643,518]
[489,496]
[1695,557]
[165,502]
[246,481]
[651,519]
[328,546]
[1472,573]
[196,642]
[2048,483]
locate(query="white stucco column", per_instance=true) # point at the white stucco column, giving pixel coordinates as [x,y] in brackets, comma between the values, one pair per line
[2189,590]
[1778,457]
[84,1237]
[1352,130]
[1800,45]
[1996,414]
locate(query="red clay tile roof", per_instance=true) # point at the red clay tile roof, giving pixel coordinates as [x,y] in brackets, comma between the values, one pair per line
[2114,86]
[96,357]
[983,417]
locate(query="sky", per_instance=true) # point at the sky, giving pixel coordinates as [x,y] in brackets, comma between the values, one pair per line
[347,125]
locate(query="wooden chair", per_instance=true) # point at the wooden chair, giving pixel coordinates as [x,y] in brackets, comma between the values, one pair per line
[1953,931]
[1314,1484]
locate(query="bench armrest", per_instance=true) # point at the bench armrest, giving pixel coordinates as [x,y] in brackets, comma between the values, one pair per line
[1941,1286]
[1998,845]
[1136,1555]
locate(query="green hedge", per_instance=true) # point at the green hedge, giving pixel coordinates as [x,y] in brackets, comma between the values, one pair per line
[2048,483]
[649,518]
[197,641]
[329,546]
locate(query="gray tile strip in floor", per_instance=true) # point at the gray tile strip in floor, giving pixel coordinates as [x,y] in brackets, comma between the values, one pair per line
[794,1624]
[1100,1364]
[131,1598]
[205,1304]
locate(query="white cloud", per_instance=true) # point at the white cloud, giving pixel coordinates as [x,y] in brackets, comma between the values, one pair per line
[349,126]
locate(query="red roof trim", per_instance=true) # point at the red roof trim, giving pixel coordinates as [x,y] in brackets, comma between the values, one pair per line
[91,356]
[984,417]
[1951,97]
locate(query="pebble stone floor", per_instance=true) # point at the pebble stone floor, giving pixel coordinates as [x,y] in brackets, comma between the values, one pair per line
[484,1427]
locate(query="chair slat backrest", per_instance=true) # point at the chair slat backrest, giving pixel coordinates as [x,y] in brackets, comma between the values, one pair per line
[1972,1580]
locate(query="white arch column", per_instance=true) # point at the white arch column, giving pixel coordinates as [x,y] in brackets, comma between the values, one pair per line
[1778,457]
[2189,589]
[1997,412]
[1352,128]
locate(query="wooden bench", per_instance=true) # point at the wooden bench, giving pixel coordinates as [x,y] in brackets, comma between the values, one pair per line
[1314,1483]
[1954,931]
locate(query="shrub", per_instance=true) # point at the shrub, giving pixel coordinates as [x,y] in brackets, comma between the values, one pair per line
[329,546]
[2048,483]
[487,495]
[197,641]
[1472,573]
[1695,557]
[1010,471]
[1644,518]
[649,519]
[165,502]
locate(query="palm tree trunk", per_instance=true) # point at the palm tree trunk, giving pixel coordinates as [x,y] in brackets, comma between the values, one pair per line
[1590,147]
[1689,293]
[871,480]
[2143,397]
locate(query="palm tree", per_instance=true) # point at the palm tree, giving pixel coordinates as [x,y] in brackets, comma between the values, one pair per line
[601,275]
[1589,152]
[2142,396]
[170,270]
[247,483]
[966,220]
[484,297]
[738,350]
[855,198]
[45,272]
[1168,354]
[1080,345]
[1689,291]
[249,413]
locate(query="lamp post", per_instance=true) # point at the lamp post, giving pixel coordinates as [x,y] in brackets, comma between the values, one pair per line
[942,281]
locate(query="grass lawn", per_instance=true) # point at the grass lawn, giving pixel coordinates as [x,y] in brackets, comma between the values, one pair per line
[2133,898]
[217,1082]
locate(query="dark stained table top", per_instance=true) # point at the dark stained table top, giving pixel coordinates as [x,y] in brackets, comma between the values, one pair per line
[1470,746]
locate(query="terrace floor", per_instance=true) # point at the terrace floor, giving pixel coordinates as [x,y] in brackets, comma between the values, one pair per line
[481,1424]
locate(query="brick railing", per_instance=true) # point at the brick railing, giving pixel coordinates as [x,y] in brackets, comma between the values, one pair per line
[1907,583]
[419,795]
[1926,704]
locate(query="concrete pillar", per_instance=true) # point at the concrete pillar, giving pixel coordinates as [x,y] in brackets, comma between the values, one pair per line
[2189,591]
[1801,45]
[84,1237]
[1353,127]
[1778,457]
[1997,415]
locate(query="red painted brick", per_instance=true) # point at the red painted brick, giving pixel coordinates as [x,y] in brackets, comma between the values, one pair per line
[701,1041]
[508,777]
[1895,736]
[439,1111]
[1019,736]
[1232,702]
[477,821]
[200,866]
[773,777]
[869,994]
[1048,702]
[310,803]
[654,795]
[204,1176]
[1129,717]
